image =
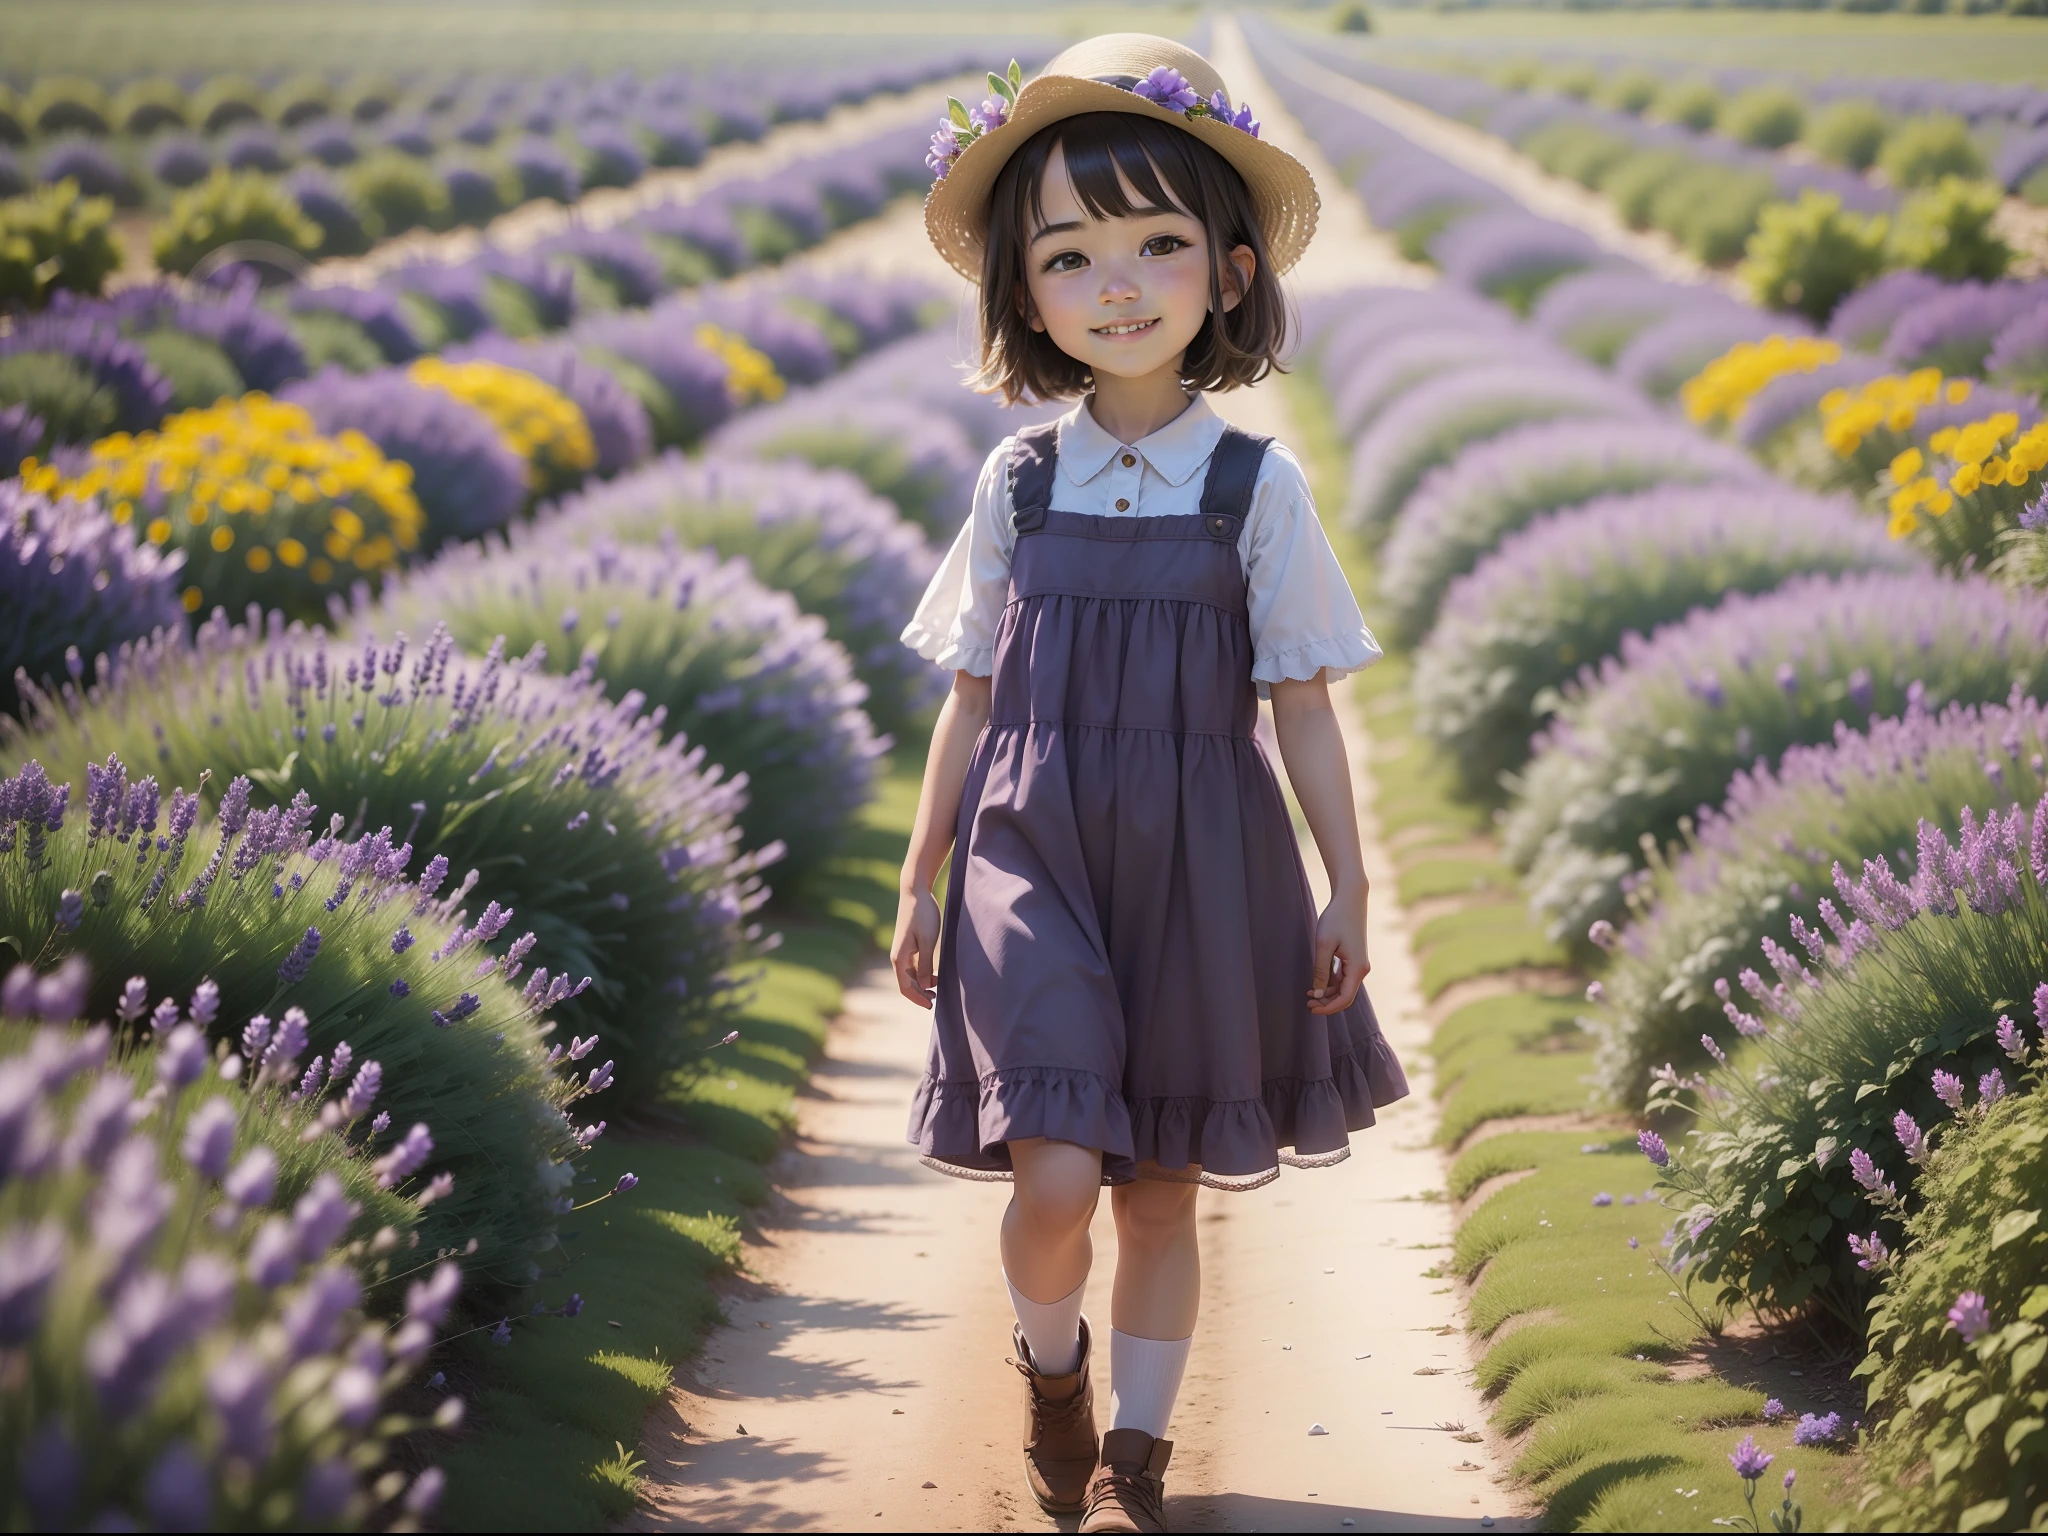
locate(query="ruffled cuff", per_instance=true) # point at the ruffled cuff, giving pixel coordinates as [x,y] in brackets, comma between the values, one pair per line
[1336,658]
[943,649]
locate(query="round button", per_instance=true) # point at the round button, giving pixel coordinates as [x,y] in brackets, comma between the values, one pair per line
[1122,505]
[1217,525]
[1129,460]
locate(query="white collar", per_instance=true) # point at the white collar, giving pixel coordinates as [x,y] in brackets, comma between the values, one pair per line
[1174,452]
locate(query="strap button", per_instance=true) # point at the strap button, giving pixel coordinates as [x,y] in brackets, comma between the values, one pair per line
[1218,525]
[1129,460]
[1123,504]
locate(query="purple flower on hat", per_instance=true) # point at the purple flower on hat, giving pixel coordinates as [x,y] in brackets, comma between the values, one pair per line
[1169,88]
[1241,119]
[990,115]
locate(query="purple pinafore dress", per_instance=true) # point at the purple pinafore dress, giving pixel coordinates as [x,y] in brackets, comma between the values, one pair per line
[1129,936]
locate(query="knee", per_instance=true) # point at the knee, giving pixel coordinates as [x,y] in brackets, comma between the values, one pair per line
[1058,1203]
[1154,1215]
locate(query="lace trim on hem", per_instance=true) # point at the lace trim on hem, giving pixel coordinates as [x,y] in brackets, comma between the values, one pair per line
[1233,1184]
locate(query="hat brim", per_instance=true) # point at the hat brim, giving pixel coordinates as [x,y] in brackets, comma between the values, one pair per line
[1283,193]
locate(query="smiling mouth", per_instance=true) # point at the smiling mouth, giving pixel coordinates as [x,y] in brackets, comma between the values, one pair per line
[1125,328]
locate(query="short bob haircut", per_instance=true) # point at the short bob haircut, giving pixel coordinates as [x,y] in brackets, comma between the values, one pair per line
[1167,168]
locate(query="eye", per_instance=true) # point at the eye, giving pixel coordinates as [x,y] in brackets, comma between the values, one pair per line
[1164,245]
[1066,261]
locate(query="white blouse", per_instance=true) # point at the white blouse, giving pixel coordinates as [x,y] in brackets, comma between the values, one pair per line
[1304,619]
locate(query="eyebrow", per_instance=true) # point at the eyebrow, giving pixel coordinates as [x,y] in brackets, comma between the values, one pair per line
[1136,213]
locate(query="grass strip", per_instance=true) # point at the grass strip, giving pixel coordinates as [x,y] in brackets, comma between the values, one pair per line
[556,1414]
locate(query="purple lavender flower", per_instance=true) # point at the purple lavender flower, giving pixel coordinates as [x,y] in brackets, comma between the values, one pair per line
[182,1058]
[379,314]
[362,1092]
[2012,1041]
[1773,1410]
[1970,1316]
[403,1160]
[300,960]
[273,1254]
[1990,1088]
[1168,88]
[1949,1089]
[1866,1172]
[1812,1430]
[209,1140]
[620,427]
[627,1181]
[1653,1148]
[1865,318]
[30,1257]
[312,1319]
[1749,1461]
[320,1217]
[1954,329]
[178,1492]
[502,1334]
[253,1180]
[991,114]
[1871,1252]
[428,1300]
[238,1386]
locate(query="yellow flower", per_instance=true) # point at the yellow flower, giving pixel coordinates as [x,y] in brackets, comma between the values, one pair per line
[1906,465]
[258,559]
[541,425]
[291,552]
[1994,471]
[191,598]
[1965,480]
[1902,523]
[223,539]
[159,530]
[1940,502]
[1725,387]
[1958,391]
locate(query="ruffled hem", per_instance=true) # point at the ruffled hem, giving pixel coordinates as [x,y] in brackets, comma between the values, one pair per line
[1335,658]
[963,1127]
[943,649]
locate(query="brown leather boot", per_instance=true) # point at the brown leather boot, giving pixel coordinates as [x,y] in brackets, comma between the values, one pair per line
[1059,1429]
[1128,1491]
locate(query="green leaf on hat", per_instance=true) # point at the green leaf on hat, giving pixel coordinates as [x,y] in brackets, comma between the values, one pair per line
[1016,77]
[957,112]
[1001,87]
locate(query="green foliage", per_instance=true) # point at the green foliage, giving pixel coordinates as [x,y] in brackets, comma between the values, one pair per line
[334,338]
[1766,1177]
[1695,104]
[479,1083]
[769,239]
[1522,1053]
[198,370]
[150,105]
[478,201]
[13,119]
[231,206]
[1923,150]
[1633,184]
[1631,91]
[1705,917]
[1578,81]
[1577,150]
[68,104]
[1767,116]
[301,99]
[1960,1429]
[1352,18]
[401,193]
[573,833]
[1481,941]
[74,406]
[55,238]
[1712,209]
[1947,229]
[1810,255]
[1849,132]
[225,100]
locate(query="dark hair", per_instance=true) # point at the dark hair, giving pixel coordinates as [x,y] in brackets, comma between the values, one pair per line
[1166,167]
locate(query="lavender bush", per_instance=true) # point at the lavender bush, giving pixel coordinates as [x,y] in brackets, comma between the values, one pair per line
[1912,1007]
[1663,355]
[1599,311]
[1662,727]
[732,668]
[820,536]
[379,314]
[1865,319]
[1435,422]
[924,463]
[256,906]
[1763,858]
[619,426]
[2019,353]
[1954,330]
[618,850]
[72,584]
[1465,507]
[467,480]
[1396,366]
[1511,255]
[691,393]
[185,1284]
[1558,596]
[137,393]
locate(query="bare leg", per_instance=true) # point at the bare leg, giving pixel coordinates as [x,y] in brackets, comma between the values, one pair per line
[1159,1265]
[1046,1249]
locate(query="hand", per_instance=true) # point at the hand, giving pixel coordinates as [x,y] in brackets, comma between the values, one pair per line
[1340,937]
[915,951]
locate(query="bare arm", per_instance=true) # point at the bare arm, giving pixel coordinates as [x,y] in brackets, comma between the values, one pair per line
[915,952]
[1312,747]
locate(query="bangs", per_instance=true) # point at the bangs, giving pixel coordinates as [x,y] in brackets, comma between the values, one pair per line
[1099,145]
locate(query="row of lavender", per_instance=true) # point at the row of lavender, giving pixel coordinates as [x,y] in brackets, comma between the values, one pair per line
[595,284]
[1769,767]
[1808,233]
[358,1079]
[324,181]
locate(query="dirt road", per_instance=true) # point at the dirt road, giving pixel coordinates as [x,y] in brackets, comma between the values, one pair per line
[861,1383]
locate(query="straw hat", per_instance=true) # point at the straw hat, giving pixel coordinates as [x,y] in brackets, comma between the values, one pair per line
[1102,75]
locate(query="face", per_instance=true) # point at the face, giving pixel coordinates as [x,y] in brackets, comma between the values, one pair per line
[1123,297]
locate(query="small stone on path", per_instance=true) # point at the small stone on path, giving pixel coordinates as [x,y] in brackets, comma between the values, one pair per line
[1317,1429]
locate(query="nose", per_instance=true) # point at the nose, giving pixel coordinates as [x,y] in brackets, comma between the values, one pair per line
[1119,285]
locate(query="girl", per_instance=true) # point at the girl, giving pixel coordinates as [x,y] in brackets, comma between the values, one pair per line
[1131,984]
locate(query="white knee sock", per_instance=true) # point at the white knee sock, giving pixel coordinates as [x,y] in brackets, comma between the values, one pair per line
[1051,1328]
[1144,1379]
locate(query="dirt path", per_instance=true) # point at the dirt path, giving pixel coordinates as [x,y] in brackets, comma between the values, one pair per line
[860,1382]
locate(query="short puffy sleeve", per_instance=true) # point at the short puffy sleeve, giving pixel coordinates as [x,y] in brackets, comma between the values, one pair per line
[1304,619]
[955,623]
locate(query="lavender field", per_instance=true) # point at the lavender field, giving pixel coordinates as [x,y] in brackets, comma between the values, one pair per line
[456,517]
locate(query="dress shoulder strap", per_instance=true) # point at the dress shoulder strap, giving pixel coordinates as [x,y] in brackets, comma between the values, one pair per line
[1033,459]
[1233,476]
